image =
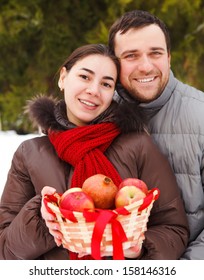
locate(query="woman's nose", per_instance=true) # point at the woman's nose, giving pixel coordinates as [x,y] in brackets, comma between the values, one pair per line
[93,89]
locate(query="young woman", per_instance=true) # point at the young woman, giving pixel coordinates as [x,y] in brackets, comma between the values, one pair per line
[85,133]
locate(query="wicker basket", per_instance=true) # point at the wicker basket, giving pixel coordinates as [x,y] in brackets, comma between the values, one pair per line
[80,236]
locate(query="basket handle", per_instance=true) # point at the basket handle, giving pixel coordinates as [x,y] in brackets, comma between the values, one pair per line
[152,196]
[51,198]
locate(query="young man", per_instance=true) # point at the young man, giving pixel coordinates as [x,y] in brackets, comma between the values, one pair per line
[175,111]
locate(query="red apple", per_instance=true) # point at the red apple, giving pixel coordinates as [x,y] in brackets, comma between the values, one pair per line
[134,182]
[70,191]
[76,201]
[127,195]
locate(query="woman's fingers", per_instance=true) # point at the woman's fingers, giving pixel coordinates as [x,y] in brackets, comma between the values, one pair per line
[132,252]
[50,220]
[48,190]
[54,230]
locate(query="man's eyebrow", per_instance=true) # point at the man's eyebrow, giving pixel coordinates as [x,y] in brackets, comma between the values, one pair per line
[136,50]
[158,48]
[92,72]
[128,51]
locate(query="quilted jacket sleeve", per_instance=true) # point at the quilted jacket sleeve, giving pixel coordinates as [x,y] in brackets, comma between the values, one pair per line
[195,250]
[23,234]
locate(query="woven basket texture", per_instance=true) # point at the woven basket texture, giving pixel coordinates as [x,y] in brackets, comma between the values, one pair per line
[77,236]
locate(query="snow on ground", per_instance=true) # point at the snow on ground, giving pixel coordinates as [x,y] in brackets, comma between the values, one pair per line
[9,141]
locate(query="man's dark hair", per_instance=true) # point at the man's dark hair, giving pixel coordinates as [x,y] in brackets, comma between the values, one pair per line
[136,19]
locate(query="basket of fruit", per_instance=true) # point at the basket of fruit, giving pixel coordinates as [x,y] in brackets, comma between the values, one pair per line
[105,224]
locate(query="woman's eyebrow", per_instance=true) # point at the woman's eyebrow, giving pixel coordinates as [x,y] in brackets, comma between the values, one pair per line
[88,70]
[92,72]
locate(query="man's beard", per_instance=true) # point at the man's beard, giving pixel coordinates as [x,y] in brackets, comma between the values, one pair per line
[142,98]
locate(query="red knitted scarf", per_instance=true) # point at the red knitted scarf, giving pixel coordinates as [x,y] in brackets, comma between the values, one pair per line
[83,148]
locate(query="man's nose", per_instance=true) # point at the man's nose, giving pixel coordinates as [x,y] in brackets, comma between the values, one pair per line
[145,64]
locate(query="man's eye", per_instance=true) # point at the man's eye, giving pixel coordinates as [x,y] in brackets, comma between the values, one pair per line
[130,56]
[156,53]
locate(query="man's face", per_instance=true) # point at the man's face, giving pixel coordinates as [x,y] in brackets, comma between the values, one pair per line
[145,62]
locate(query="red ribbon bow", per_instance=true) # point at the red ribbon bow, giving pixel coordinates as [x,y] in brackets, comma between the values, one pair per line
[102,218]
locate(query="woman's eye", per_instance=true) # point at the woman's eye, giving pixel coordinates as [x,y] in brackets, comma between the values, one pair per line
[84,77]
[107,85]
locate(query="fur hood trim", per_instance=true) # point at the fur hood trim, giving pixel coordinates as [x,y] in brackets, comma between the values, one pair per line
[42,111]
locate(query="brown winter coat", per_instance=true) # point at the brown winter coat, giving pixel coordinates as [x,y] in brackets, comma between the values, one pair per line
[23,233]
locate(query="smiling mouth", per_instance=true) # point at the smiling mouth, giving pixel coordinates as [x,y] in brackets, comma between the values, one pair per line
[90,104]
[146,80]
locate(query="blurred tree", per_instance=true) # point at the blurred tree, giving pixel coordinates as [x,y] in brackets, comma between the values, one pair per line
[36,36]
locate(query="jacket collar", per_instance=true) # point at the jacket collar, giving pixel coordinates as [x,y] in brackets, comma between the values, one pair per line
[153,107]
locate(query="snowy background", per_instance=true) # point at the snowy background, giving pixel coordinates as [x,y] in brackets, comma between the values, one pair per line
[9,141]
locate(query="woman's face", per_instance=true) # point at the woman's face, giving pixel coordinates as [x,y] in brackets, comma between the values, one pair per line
[88,88]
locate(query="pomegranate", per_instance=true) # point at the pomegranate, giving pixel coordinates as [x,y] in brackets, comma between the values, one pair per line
[102,190]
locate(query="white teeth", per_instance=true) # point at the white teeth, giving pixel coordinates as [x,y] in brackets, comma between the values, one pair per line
[145,80]
[87,103]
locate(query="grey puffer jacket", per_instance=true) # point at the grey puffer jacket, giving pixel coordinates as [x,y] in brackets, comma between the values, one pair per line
[23,233]
[176,122]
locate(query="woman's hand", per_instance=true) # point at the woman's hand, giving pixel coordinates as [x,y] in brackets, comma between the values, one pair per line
[133,252]
[130,253]
[50,220]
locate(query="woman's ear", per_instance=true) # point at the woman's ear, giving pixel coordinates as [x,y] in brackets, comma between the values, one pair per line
[63,73]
